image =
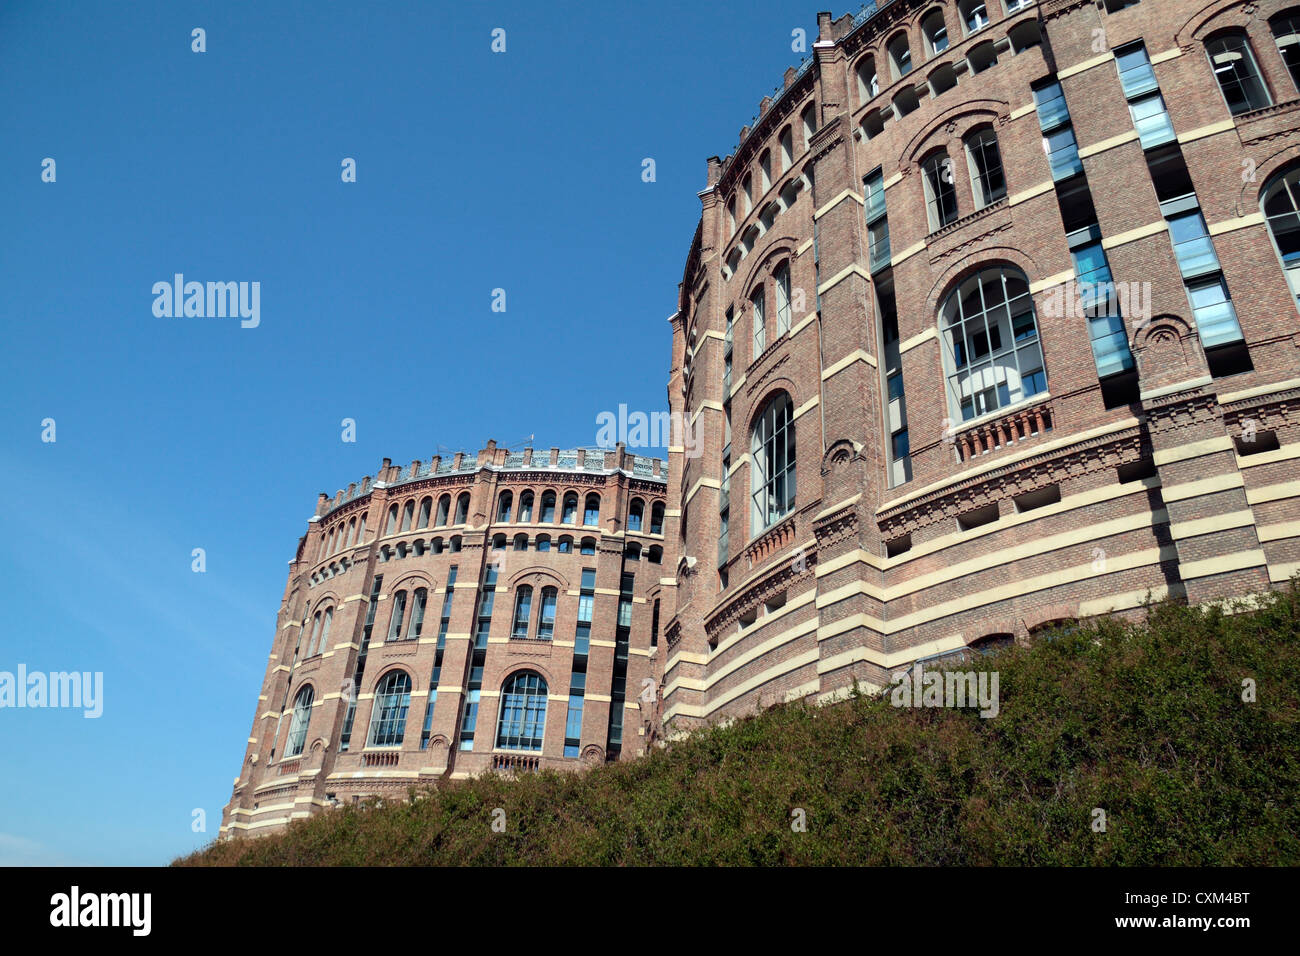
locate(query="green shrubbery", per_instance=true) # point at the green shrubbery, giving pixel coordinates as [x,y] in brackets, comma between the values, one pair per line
[1146,722]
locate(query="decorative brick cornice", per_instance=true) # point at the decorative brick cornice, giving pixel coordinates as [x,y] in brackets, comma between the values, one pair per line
[780,577]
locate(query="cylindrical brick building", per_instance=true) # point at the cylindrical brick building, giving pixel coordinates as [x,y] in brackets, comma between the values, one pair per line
[498,612]
[989,323]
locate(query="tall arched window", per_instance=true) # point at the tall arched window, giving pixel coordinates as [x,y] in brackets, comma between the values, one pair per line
[990,344]
[523,712]
[314,638]
[772,447]
[759,312]
[782,277]
[546,616]
[444,510]
[936,31]
[503,506]
[1234,67]
[388,719]
[408,515]
[523,608]
[868,81]
[940,194]
[657,518]
[591,510]
[417,614]
[1286,31]
[787,149]
[570,514]
[399,612]
[352,530]
[301,718]
[900,56]
[521,542]
[547,515]
[1281,207]
[426,506]
[462,508]
[974,14]
[326,622]
[361,529]
[987,181]
[392,520]
[809,124]
[635,512]
[525,507]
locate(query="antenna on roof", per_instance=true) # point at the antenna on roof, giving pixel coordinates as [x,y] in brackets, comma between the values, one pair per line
[526,441]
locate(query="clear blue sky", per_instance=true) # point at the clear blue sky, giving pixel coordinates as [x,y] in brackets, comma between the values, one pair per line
[475,171]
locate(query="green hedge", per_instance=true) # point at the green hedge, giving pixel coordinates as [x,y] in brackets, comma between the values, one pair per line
[1145,722]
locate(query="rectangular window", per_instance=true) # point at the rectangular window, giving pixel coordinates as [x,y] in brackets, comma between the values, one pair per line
[1062,153]
[1215,317]
[1049,100]
[1135,73]
[1151,120]
[1192,244]
[1106,330]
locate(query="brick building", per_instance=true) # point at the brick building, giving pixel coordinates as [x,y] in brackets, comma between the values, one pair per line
[497,611]
[989,322]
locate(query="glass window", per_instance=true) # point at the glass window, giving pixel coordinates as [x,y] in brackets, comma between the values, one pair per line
[523,712]
[301,718]
[940,194]
[399,611]
[546,616]
[392,700]
[782,299]
[985,167]
[1151,120]
[523,609]
[773,451]
[1192,244]
[1215,317]
[1286,31]
[1238,76]
[570,508]
[591,510]
[1135,73]
[1281,207]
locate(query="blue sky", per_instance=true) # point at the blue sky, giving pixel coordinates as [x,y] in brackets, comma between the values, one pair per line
[475,171]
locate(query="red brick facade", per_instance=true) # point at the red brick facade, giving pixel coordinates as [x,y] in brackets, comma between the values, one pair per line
[1059,492]
[415,531]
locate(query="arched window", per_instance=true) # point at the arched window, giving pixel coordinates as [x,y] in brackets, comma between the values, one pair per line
[543,542]
[417,614]
[809,124]
[301,718]
[987,182]
[565,544]
[655,554]
[940,194]
[444,510]
[591,510]
[982,56]
[990,643]
[498,542]
[521,542]
[935,31]
[326,622]
[588,546]
[1025,35]
[759,312]
[765,171]
[426,506]
[525,507]
[462,507]
[974,14]
[503,506]
[392,520]
[408,515]
[546,615]
[361,529]
[388,719]
[547,515]
[1286,31]
[782,277]
[787,149]
[747,194]
[635,512]
[1281,207]
[900,56]
[352,530]
[772,447]
[436,546]
[399,612]
[523,608]
[314,638]
[455,543]
[1234,67]
[632,551]
[868,81]
[570,514]
[657,518]
[523,712]
[990,344]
